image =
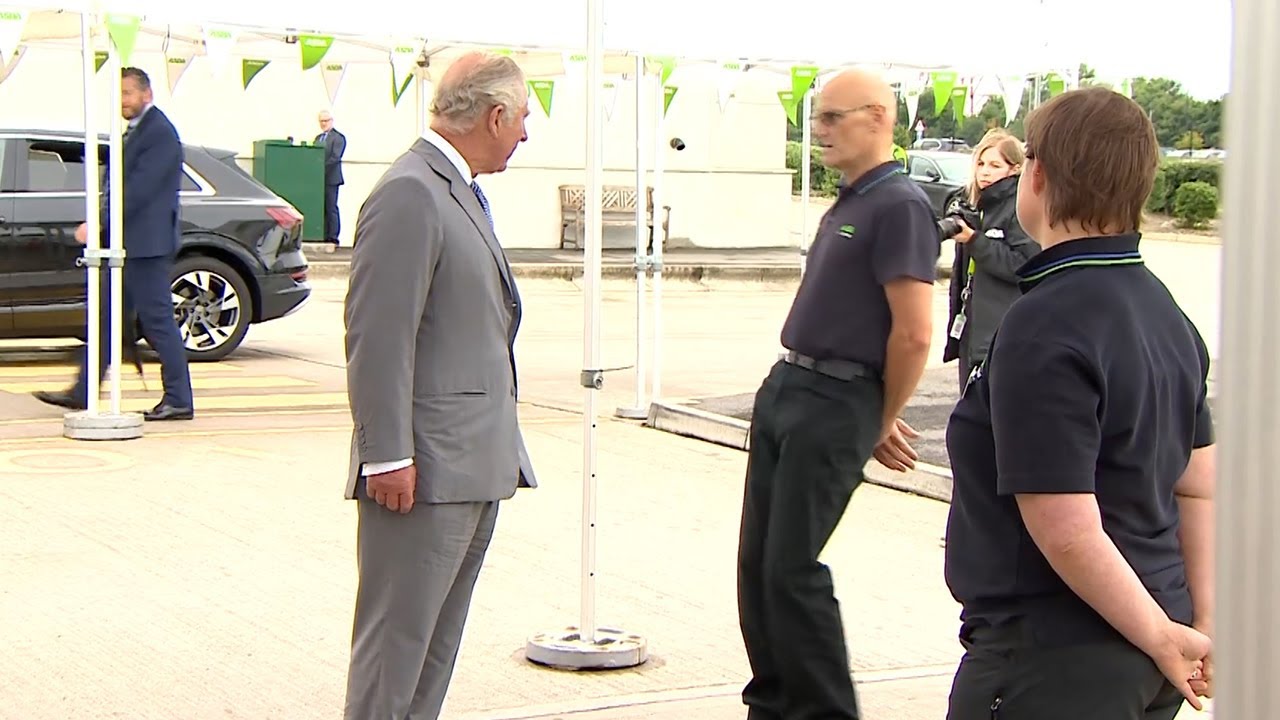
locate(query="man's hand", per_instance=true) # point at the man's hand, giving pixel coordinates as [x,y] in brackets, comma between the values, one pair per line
[82,233]
[965,234]
[1183,658]
[893,451]
[394,490]
[1203,685]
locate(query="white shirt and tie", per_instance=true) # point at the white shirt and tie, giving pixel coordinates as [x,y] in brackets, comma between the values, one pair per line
[464,169]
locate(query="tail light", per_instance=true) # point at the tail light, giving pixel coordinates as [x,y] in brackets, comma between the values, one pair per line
[285,216]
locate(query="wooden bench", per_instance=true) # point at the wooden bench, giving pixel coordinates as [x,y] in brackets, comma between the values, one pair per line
[618,208]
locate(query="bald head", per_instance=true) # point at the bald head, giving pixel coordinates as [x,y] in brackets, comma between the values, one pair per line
[853,122]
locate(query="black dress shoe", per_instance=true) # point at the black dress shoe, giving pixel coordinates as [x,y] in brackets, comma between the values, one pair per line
[59,399]
[165,411]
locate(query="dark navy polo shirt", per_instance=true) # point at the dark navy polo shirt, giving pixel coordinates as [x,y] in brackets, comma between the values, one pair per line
[881,228]
[1096,383]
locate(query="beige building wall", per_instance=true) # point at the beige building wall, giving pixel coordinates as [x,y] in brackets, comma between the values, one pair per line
[728,188]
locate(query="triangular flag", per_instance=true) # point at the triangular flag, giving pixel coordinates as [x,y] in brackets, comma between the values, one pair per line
[1125,88]
[959,99]
[250,68]
[176,65]
[123,30]
[730,72]
[7,69]
[942,83]
[398,87]
[912,99]
[609,97]
[314,48]
[1012,89]
[802,77]
[332,74]
[543,90]
[668,65]
[575,65]
[219,47]
[1057,84]
[668,94]
[789,105]
[100,59]
[12,23]
[404,57]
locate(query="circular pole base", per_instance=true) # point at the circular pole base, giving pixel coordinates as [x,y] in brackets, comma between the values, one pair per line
[613,649]
[103,426]
[630,413]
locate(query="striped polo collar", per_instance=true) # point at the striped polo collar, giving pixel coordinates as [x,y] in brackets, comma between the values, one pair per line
[1107,251]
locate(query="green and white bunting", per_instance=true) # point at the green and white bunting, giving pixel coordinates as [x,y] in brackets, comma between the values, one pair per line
[609,98]
[249,69]
[668,94]
[219,47]
[1012,88]
[911,97]
[575,65]
[123,30]
[176,65]
[959,101]
[802,80]
[790,106]
[398,87]
[667,65]
[100,59]
[314,48]
[543,90]
[333,74]
[404,57]
[1057,84]
[730,73]
[12,23]
[1125,87]
[942,83]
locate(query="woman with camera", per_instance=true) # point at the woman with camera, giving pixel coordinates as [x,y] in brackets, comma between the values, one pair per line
[990,247]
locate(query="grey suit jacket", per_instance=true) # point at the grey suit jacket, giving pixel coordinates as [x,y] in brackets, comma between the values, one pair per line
[431,318]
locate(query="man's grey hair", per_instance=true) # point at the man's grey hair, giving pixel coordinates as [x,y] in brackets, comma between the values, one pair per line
[460,102]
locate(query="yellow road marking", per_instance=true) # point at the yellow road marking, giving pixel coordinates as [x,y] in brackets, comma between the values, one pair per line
[197,383]
[39,371]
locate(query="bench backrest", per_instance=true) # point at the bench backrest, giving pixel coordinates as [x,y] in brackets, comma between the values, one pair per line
[615,198]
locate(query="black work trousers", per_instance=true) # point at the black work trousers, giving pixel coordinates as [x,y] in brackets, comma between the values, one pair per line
[810,437]
[1008,674]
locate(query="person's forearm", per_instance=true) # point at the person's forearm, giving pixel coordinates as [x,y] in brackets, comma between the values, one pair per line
[904,360]
[1195,533]
[1090,564]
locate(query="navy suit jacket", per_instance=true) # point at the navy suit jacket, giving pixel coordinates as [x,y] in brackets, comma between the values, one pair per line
[152,179]
[335,144]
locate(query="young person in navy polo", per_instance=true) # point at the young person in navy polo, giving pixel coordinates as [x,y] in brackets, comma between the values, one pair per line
[858,339]
[1080,540]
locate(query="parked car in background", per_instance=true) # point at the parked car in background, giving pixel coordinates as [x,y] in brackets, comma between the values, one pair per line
[942,175]
[942,144]
[240,260]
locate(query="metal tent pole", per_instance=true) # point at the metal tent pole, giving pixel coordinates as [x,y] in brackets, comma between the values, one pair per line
[640,410]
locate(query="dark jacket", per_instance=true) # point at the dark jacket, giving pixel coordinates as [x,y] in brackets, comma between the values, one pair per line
[335,144]
[152,179]
[998,248]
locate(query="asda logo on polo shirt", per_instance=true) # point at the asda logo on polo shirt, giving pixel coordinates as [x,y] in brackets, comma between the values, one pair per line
[846,231]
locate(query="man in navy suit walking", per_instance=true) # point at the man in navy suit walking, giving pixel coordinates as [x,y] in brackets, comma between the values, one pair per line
[152,178]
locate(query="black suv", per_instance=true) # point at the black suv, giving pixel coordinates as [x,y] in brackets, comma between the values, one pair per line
[240,260]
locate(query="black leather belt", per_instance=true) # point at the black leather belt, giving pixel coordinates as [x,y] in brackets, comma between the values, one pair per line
[833,367]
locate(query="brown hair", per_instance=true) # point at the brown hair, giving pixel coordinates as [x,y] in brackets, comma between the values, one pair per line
[1099,154]
[1010,149]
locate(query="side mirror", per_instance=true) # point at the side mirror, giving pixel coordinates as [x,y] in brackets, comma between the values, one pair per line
[932,175]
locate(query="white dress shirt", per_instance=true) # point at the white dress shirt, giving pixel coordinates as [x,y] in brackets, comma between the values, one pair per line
[464,169]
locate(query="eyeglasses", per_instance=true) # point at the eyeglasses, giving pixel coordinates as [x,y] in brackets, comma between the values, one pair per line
[831,117]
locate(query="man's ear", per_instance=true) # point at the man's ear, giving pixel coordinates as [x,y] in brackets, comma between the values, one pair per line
[496,119]
[1037,177]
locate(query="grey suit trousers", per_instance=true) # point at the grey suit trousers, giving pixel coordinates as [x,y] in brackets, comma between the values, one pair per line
[417,572]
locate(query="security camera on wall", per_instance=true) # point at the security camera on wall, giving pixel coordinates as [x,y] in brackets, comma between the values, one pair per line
[677,144]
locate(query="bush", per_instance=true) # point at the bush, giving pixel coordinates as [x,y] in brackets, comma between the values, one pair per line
[1195,203]
[1178,172]
[1158,202]
[822,180]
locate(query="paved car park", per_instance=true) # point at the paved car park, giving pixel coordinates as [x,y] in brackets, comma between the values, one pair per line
[207,570]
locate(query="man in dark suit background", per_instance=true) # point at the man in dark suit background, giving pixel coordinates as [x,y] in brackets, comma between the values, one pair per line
[335,144]
[152,178]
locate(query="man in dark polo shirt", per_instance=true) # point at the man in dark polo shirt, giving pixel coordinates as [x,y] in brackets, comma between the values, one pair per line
[858,338]
[1080,538]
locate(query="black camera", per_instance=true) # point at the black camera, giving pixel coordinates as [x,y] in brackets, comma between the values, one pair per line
[948,227]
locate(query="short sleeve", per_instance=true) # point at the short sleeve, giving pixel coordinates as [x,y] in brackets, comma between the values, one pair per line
[1204,434]
[1044,417]
[906,242]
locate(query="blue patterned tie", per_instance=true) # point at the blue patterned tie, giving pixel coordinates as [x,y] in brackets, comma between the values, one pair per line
[484,202]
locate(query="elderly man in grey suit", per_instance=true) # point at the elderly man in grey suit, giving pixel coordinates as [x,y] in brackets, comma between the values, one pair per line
[431,318]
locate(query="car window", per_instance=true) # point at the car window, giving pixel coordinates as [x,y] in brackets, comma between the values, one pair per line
[6,172]
[50,166]
[920,167]
[187,184]
[956,168]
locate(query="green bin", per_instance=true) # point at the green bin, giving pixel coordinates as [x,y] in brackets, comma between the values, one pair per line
[295,172]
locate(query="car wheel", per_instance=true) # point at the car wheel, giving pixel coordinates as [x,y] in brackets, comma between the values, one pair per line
[212,306]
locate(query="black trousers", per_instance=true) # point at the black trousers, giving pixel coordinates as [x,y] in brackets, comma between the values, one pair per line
[332,221]
[1007,675]
[810,437]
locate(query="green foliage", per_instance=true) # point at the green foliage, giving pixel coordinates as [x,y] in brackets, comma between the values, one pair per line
[1176,172]
[1158,201]
[1190,140]
[822,179]
[1195,203]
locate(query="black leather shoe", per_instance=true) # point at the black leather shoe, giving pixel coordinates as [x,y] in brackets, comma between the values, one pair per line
[59,399]
[165,411]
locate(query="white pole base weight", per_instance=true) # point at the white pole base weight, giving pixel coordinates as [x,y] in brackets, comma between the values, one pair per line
[628,413]
[103,426]
[566,650]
